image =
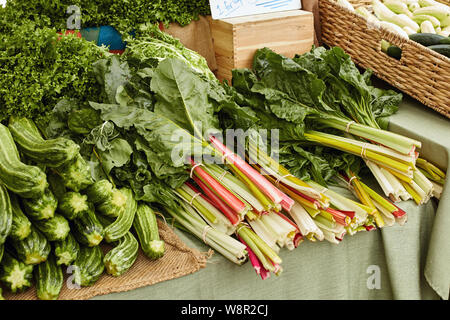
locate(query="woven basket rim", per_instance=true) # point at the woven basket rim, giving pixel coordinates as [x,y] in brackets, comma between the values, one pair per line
[335,18]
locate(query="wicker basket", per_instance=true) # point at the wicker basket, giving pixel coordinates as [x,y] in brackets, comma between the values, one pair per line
[421,73]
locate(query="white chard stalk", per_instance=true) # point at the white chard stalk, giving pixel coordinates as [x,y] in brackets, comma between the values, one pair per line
[264,233]
[305,223]
[389,219]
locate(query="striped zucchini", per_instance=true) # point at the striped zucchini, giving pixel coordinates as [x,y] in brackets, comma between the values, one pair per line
[14,274]
[122,257]
[87,229]
[49,279]
[21,225]
[76,174]
[115,205]
[54,229]
[66,251]
[146,228]
[56,184]
[34,249]
[6,214]
[124,221]
[73,205]
[88,267]
[41,208]
[25,180]
[52,153]
[100,192]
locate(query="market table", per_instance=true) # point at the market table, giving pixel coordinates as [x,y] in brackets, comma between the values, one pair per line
[412,261]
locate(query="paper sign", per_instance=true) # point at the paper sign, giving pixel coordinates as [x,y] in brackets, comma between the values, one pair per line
[221,9]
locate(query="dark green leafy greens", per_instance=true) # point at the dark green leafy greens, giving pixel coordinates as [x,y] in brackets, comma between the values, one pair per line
[149,121]
[349,90]
[150,46]
[123,15]
[299,156]
[295,95]
[38,67]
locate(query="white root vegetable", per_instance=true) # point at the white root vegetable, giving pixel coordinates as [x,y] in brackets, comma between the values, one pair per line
[427,27]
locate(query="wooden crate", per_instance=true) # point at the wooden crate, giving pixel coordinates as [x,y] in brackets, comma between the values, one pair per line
[237,39]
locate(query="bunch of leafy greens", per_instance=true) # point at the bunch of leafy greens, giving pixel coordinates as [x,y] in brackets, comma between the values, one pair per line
[149,46]
[151,117]
[123,15]
[295,95]
[326,84]
[302,158]
[38,67]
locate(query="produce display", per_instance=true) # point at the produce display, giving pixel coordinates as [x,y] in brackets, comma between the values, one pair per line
[424,21]
[91,157]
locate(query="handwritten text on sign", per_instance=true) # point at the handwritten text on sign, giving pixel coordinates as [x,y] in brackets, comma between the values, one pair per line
[236,8]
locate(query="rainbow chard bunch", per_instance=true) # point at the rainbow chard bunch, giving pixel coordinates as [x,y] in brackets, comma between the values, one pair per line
[333,120]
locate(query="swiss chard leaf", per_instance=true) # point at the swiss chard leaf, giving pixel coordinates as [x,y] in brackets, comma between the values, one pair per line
[166,145]
[183,96]
[116,156]
[111,73]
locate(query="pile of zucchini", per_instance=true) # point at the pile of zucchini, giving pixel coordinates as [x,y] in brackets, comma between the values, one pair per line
[53,216]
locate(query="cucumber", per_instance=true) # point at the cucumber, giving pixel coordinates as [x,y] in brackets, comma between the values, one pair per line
[24,180]
[427,39]
[21,225]
[54,229]
[76,174]
[146,228]
[122,257]
[52,153]
[49,279]
[34,249]
[100,192]
[14,274]
[87,229]
[66,251]
[6,214]
[89,266]
[115,205]
[394,52]
[443,49]
[41,208]
[124,221]
[73,205]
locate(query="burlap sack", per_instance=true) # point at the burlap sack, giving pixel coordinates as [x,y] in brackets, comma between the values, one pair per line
[196,36]
[178,260]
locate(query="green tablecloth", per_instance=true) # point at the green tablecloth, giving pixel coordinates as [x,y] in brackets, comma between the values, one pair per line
[413,261]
